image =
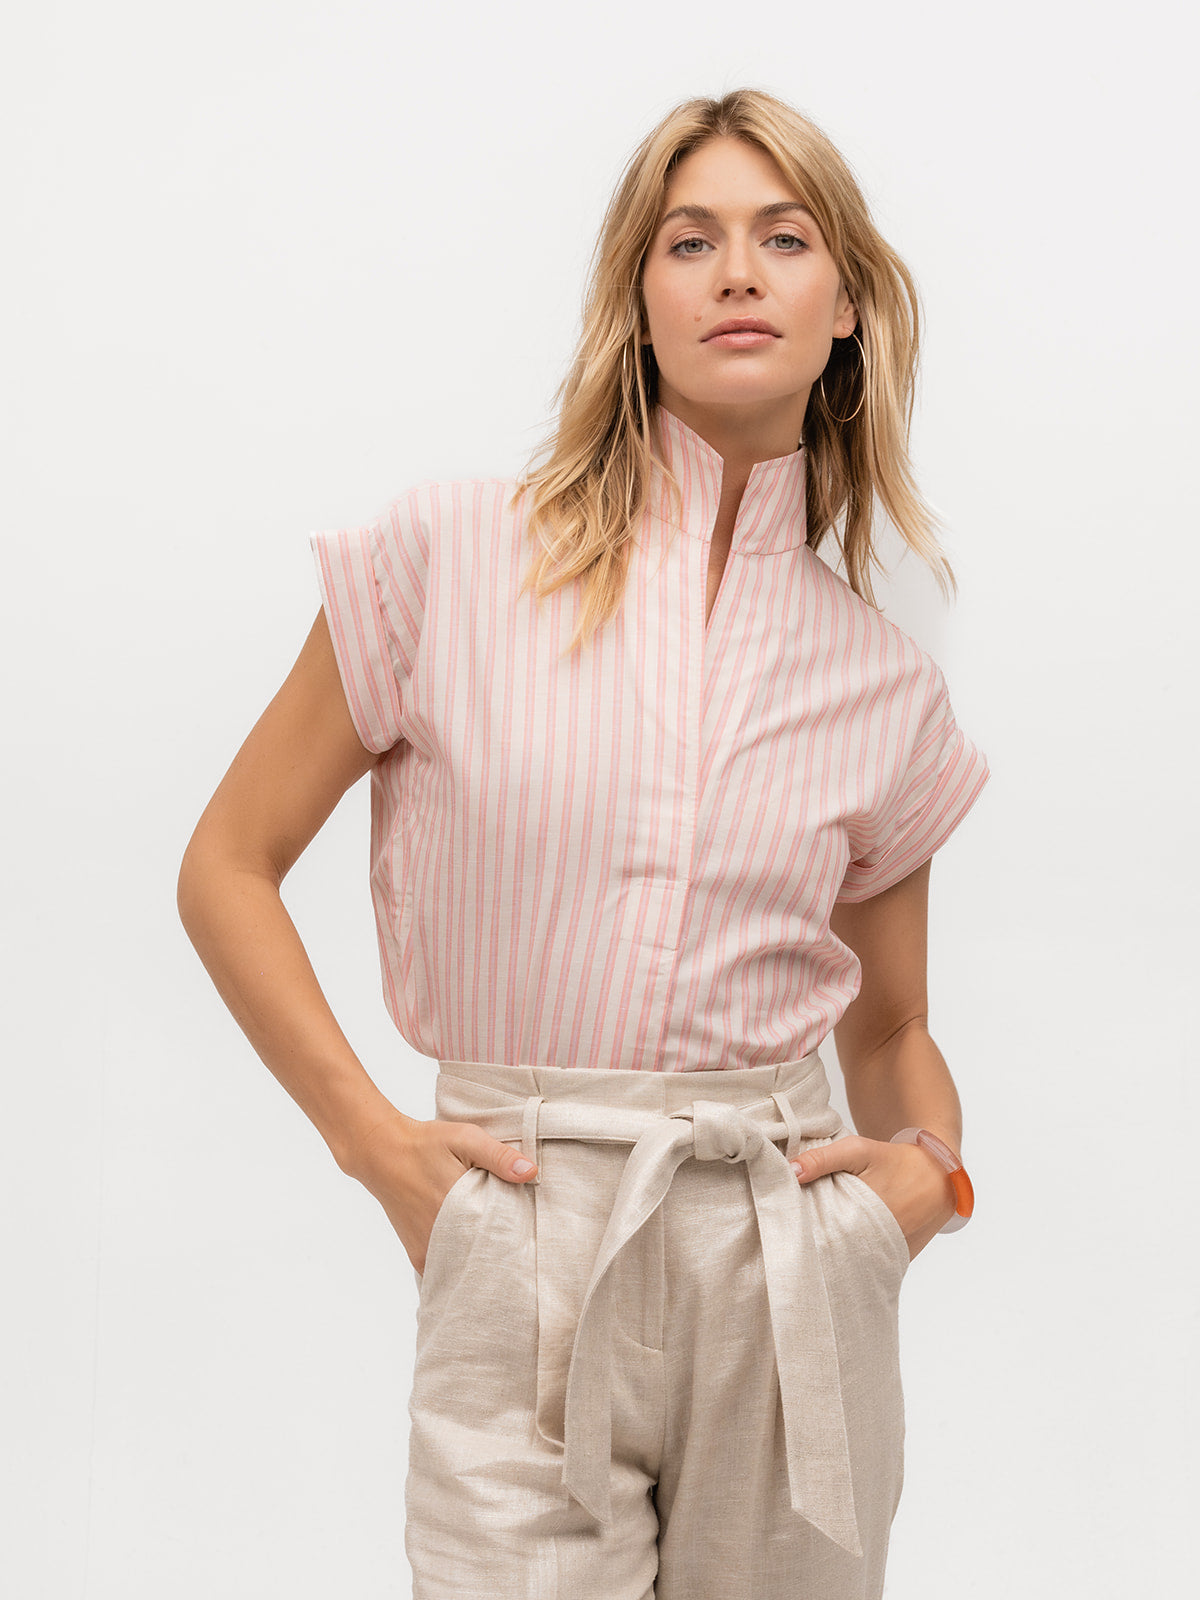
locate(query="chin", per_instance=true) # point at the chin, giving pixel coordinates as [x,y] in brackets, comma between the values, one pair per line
[748,392]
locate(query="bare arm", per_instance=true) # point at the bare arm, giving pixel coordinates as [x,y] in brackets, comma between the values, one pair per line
[895,1075]
[299,759]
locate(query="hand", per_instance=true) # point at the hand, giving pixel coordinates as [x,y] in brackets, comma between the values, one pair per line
[410,1166]
[908,1180]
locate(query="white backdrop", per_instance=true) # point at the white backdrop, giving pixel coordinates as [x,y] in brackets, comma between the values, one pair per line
[268,265]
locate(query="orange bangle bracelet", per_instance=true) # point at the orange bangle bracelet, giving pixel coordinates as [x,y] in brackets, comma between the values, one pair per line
[964,1194]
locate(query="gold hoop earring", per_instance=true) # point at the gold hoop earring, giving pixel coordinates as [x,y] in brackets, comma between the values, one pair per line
[861,398]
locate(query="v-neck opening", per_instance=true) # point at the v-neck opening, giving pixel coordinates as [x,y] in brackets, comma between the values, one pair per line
[711,606]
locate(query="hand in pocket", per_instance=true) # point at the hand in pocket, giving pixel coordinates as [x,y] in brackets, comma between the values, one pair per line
[905,1177]
[410,1167]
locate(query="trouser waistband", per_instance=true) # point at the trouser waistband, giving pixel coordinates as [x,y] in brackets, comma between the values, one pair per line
[561,1102]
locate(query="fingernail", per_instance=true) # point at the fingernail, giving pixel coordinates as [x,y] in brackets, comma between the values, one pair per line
[521,1167]
[797,1168]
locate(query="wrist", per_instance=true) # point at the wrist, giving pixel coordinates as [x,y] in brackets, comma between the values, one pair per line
[933,1173]
[356,1139]
[961,1195]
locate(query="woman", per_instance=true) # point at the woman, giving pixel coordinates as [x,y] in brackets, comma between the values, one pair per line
[649,819]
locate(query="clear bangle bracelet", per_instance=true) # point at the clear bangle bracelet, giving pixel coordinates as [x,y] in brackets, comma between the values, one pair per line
[964,1194]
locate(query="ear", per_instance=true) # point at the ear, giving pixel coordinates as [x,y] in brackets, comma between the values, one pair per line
[845,317]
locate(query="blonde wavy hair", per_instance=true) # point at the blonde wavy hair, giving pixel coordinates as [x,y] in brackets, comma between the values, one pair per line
[586,499]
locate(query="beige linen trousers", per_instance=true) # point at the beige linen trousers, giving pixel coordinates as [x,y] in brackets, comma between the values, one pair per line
[663,1369]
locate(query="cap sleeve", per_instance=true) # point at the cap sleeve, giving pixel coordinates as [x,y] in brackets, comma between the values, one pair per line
[372,582]
[940,778]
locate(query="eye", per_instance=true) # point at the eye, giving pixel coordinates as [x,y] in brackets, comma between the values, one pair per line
[678,250]
[795,238]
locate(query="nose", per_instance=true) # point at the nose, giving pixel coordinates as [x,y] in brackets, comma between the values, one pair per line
[738,268]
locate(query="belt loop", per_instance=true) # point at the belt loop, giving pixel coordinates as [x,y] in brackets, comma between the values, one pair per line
[788,1113]
[529,1134]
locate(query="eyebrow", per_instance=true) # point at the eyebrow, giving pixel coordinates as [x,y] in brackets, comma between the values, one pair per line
[777,208]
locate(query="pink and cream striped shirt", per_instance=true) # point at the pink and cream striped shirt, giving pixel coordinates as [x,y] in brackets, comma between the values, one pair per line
[627,858]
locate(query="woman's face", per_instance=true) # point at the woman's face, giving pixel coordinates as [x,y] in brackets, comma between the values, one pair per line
[735,258]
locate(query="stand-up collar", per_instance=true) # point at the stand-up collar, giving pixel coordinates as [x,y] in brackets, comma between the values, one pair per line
[771,516]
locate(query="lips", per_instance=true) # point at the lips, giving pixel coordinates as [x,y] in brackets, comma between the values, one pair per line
[742,325]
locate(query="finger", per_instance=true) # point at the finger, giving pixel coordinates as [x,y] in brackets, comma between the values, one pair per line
[849,1154]
[481,1150]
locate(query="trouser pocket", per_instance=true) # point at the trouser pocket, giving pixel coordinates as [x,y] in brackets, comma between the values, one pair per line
[880,1215]
[443,1222]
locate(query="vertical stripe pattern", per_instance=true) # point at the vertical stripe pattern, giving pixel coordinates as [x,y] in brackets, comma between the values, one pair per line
[627,858]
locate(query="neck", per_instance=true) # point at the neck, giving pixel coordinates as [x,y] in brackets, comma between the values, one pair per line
[744,435]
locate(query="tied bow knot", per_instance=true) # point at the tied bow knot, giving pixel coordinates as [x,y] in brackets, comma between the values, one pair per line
[722,1133]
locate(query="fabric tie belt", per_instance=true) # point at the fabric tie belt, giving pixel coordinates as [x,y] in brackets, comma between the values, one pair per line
[817,1446]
